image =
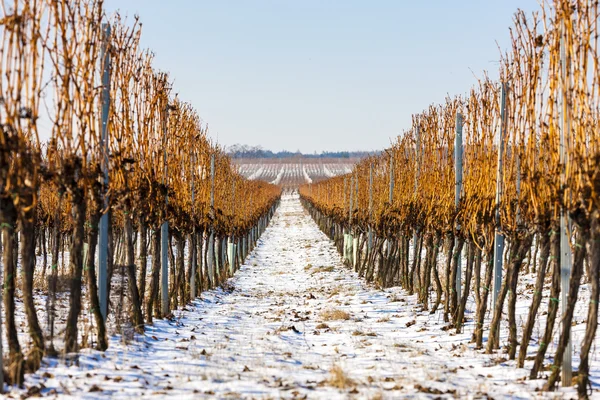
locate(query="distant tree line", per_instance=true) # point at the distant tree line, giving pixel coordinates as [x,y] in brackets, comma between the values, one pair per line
[246,151]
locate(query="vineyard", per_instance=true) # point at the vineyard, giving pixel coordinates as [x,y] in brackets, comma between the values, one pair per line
[127,211]
[488,190]
[141,259]
[293,174]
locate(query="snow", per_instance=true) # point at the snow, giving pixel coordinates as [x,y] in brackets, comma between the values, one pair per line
[256,174]
[306,176]
[279,176]
[265,335]
[328,172]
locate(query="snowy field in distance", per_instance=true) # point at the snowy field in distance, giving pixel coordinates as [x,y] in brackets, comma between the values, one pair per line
[294,172]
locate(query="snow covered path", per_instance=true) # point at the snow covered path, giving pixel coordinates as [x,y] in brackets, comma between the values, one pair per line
[293,323]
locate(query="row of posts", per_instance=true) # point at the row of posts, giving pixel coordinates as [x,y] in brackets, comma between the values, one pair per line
[350,246]
[235,251]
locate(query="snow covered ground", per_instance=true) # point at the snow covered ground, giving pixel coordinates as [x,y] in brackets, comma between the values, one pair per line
[293,323]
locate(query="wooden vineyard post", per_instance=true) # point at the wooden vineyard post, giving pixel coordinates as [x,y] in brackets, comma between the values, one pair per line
[164,229]
[370,238]
[345,232]
[391,194]
[104,219]
[498,236]
[193,249]
[350,236]
[458,180]
[356,235]
[417,173]
[565,245]
[250,244]
[230,244]
[211,236]
[391,197]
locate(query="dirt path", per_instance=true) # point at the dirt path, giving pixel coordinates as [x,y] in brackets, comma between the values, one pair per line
[293,323]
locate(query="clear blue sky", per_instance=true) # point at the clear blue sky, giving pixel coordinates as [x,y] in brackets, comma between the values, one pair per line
[314,75]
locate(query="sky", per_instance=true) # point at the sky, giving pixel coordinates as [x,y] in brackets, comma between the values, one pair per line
[321,75]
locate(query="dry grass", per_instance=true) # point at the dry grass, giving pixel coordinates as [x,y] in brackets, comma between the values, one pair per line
[396,299]
[334,291]
[361,333]
[198,354]
[279,311]
[318,270]
[322,326]
[338,378]
[326,269]
[334,314]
